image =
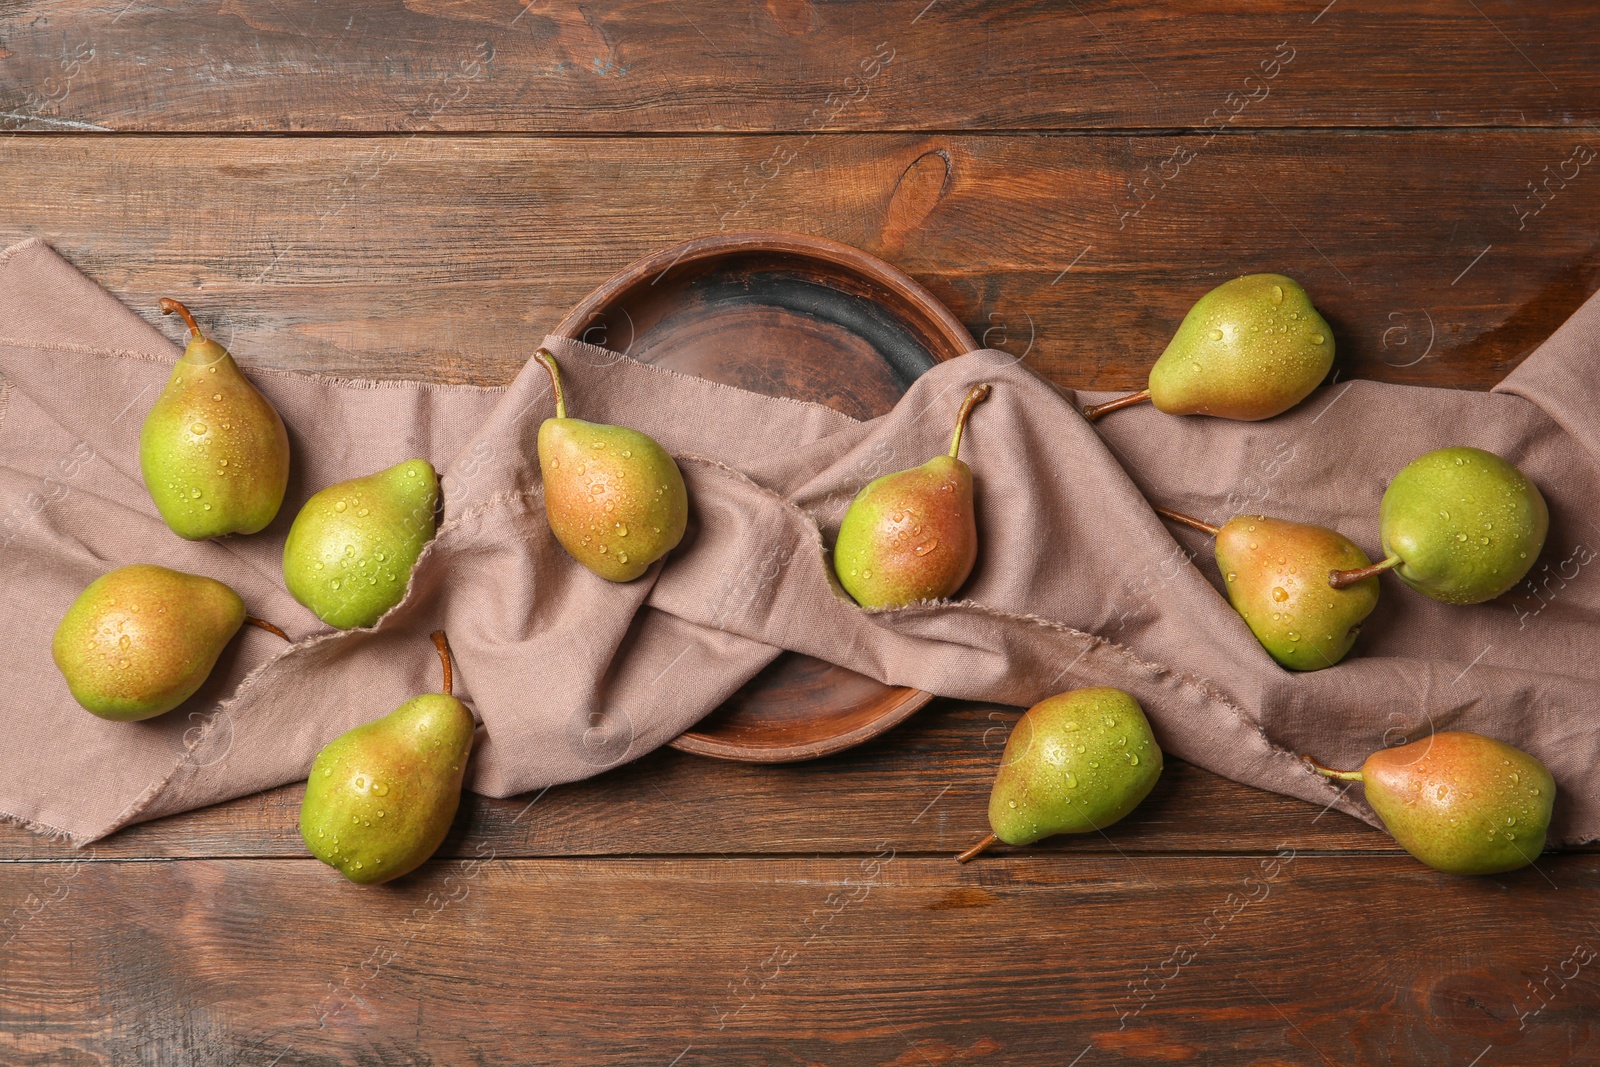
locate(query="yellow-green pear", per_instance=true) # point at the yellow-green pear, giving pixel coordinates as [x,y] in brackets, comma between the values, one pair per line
[1275,575]
[614,497]
[352,547]
[213,450]
[1459,802]
[381,797]
[1459,525]
[141,639]
[912,535]
[1075,763]
[1249,349]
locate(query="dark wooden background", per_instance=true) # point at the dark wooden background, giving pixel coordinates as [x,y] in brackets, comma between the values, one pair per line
[421,189]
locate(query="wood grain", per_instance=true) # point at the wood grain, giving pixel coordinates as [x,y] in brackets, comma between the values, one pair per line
[923,786]
[450,258]
[791,65]
[881,959]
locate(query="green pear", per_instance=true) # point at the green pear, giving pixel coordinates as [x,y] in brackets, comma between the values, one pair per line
[214,452]
[352,547]
[1249,349]
[380,798]
[912,535]
[614,497]
[1074,763]
[1459,802]
[1275,572]
[141,639]
[1460,525]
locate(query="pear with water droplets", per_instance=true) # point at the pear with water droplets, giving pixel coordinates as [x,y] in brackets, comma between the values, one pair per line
[912,535]
[351,549]
[213,450]
[1459,802]
[381,797]
[141,639]
[1276,576]
[1249,349]
[1074,763]
[1460,525]
[614,497]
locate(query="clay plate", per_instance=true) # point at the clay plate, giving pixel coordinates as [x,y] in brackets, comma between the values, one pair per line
[786,315]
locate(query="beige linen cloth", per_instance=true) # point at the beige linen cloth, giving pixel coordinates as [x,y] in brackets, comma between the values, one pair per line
[1078,581]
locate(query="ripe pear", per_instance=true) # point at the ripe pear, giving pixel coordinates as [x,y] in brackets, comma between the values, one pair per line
[1074,763]
[141,639]
[1459,802]
[912,535]
[1273,571]
[352,547]
[614,497]
[381,797]
[214,452]
[1249,349]
[1460,525]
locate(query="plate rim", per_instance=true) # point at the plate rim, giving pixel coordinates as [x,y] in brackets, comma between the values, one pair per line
[574,323]
[572,327]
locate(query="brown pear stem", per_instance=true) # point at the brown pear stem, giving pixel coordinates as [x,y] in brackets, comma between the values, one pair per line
[544,356]
[1345,579]
[169,306]
[263,624]
[972,853]
[442,643]
[974,395]
[1329,772]
[1187,520]
[1094,411]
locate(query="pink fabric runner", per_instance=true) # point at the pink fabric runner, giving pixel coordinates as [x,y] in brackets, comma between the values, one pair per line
[1078,581]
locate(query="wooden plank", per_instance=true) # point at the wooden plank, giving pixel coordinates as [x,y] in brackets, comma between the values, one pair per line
[884,959]
[448,258]
[793,65]
[928,781]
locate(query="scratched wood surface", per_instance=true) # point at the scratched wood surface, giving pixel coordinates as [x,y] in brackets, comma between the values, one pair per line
[1068,177]
[1082,251]
[792,65]
[882,958]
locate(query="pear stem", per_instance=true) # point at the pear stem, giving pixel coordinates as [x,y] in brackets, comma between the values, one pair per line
[974,395]
[267,626]
[1345,579]
[442,643]
[972,853]
[549,361]
[1094,411]
[1329,772]
[1187,520]
[168,306]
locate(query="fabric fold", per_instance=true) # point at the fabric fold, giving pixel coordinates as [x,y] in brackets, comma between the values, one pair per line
[1079,582]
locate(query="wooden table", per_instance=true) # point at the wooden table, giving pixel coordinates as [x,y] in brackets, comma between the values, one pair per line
[422,189]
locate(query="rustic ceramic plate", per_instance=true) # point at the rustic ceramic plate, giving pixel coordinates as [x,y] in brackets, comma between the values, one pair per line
[786,315]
